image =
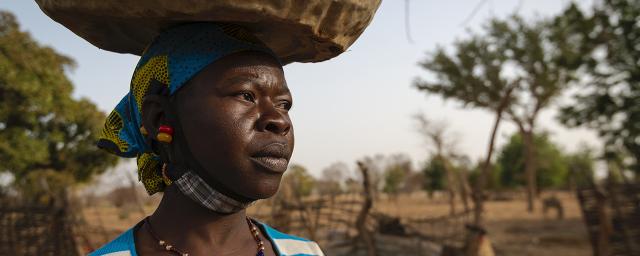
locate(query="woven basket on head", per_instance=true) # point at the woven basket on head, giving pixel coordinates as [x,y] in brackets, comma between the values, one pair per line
[296,30]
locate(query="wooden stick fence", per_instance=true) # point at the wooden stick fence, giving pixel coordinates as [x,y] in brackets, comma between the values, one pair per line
[35,229]
[612,217]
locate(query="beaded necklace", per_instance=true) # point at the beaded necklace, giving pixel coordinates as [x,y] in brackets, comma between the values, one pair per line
[170,248]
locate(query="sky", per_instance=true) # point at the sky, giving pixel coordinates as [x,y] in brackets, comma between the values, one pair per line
[358,104]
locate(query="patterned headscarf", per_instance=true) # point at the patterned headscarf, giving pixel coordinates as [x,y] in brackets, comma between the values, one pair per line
[172,59]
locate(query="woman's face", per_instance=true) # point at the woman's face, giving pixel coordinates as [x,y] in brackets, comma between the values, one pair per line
[235,118]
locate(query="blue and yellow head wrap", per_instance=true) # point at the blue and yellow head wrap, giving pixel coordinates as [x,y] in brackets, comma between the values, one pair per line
[172,59]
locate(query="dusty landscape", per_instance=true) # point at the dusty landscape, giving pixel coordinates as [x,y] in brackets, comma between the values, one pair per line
[511,229]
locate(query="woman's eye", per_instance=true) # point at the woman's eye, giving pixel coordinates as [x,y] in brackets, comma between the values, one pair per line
[247,96]
[285,105]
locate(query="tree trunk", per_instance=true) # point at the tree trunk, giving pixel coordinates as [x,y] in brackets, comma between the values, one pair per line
[530,168]
[463,184]
[361,221]
[478,195]
[450,184]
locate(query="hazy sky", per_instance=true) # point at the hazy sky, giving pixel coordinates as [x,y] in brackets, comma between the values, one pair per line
[355,105]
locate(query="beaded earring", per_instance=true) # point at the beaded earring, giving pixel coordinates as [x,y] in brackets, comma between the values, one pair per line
[143,131]
[165,134]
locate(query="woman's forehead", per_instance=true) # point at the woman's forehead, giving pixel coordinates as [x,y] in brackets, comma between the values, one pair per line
[247,59]
[244,67]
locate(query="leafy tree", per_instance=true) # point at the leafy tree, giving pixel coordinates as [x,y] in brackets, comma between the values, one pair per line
[299,180]
[443,143]
[492,181]
[512,69]
[434,175]
[581,166]
[615,160]
[607,43]
[47,138]
[396,172]
[393,179]
[552,172]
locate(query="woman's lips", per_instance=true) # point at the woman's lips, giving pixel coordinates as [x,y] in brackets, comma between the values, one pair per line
[274,157]
[272,164]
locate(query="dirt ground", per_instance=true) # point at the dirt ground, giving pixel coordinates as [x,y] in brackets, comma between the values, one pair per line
[514,231]
[511,229]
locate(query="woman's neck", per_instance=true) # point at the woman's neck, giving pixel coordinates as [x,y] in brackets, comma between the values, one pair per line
[193,228]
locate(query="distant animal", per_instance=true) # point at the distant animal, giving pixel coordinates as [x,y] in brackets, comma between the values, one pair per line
[553,202]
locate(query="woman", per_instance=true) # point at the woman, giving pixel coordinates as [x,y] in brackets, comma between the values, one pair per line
[207,118]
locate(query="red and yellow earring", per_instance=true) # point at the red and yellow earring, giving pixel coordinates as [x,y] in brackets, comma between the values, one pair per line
[165,134]
[143,131]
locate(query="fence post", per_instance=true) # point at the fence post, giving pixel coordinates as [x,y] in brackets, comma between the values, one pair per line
[363,233]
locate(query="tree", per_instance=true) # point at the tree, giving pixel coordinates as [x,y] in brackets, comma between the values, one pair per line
[393,179]
[552,172]
[492,181]
[47,138]
[333,177]
[434,175]
[614,158]
[414,181]
[396,172]
[300,182]
[472,76]
[375,167]
[512,69]
[581,166]
[336,172]
[436,136]
[607,44]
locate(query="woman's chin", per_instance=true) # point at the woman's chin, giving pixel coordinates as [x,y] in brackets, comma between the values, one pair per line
[263,189]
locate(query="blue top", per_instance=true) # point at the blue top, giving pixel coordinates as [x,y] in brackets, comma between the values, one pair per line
[283,244]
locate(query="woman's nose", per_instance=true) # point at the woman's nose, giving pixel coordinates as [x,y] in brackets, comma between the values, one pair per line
[273,120]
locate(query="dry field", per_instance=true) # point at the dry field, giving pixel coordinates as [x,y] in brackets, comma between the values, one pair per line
[512,230]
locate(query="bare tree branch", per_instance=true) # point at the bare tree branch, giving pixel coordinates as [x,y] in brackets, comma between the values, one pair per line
[474,12]
[407,20]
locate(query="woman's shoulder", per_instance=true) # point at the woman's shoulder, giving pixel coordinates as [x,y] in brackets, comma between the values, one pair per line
[286,244]
[123,245]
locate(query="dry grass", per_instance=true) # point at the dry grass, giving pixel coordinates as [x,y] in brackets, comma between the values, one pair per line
[512,230]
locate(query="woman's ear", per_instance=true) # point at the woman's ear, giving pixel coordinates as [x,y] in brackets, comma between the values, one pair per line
[153,113]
